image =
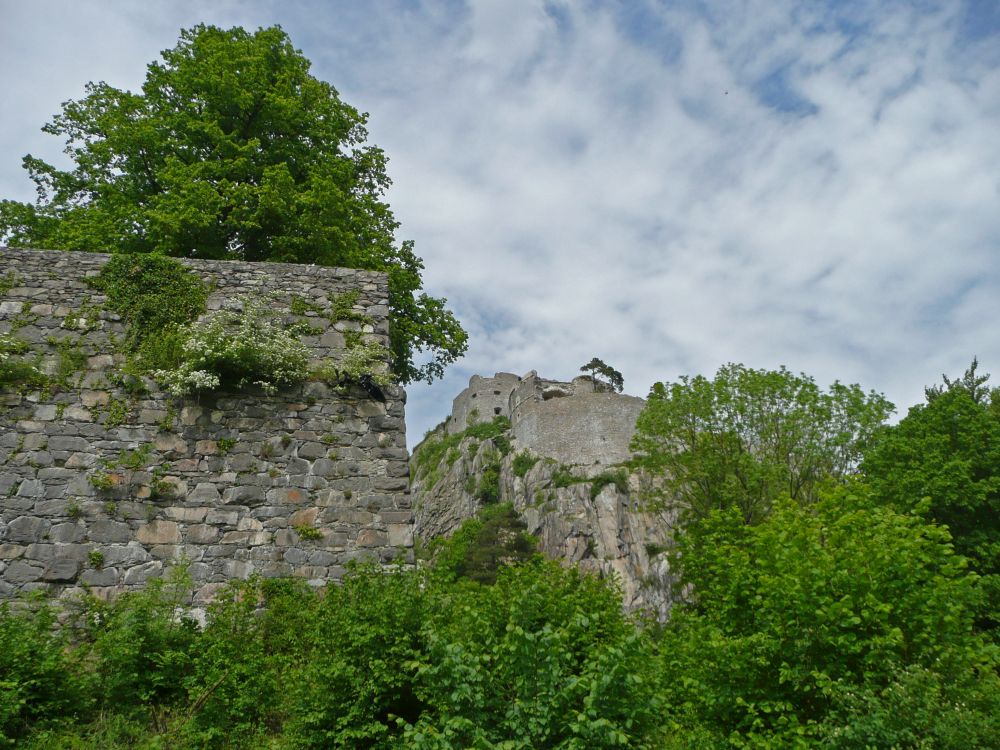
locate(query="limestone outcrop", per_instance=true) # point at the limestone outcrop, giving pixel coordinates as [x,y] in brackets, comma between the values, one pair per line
[560,468]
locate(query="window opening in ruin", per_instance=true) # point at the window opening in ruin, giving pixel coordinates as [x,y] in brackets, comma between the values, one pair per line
[496,410]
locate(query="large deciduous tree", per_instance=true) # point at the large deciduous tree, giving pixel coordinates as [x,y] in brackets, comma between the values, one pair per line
[844,624]
[232,149]
[749,436]
[942,461]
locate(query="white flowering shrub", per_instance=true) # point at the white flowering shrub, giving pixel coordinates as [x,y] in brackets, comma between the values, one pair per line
[236,349]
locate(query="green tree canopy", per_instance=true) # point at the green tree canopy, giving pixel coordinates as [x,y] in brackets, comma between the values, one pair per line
[233,150]
[943,461]
[750,436]
[843,624]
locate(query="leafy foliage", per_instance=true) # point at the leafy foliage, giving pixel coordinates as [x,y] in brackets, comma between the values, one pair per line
[523,463]
[943,461]
[750,436]
[15,371]
[233,150]
[40,682]
[482,545]
[543,658]
[143,649]
[816,612]
[154,294]
[432,451]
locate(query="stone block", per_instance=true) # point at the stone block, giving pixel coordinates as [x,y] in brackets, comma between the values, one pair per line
[94,398]
[11,551]
[159,532]
[190,515]
[204,492]
[237,569]
[401,535]
[68,443]
[35,441]
[222,517]
[169,442]
[397,469]
[140,574]
[68,532]
[125,556]
[21,571]
[107,531]
[396,516]
[61,570]
[286,495]
[371,538]
[45,412]
[201,534]
[312,451]
[390,484]
[166,551]
[304,517]
[243,495]
[51,507]
[286,538]
[206,447]
[190,415]
[99,576]
[78,414]
[81,461]
[31,488]
[27,529]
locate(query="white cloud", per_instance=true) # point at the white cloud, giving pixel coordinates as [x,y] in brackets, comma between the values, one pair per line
[583,184]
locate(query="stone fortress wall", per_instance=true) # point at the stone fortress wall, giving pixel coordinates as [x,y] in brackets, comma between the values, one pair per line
[573,422]
[484,399]
[102,487]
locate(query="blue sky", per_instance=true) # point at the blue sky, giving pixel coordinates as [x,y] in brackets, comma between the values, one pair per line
[666,185]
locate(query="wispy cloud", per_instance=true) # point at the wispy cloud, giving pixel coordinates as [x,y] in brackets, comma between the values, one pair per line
[666,186]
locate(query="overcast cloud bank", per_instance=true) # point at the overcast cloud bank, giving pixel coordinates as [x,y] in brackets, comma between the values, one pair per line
[668,186]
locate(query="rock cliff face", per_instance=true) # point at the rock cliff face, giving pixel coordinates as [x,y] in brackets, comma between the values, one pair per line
[583,512]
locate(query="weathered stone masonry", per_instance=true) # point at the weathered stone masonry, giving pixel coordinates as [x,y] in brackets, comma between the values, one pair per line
[222,481]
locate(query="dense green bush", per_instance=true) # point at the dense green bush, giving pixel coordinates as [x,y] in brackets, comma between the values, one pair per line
[41,682]
[523,463]
[427,456]
[141,648]
[942,461]
[815,614]
[152,293]
[543,658]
